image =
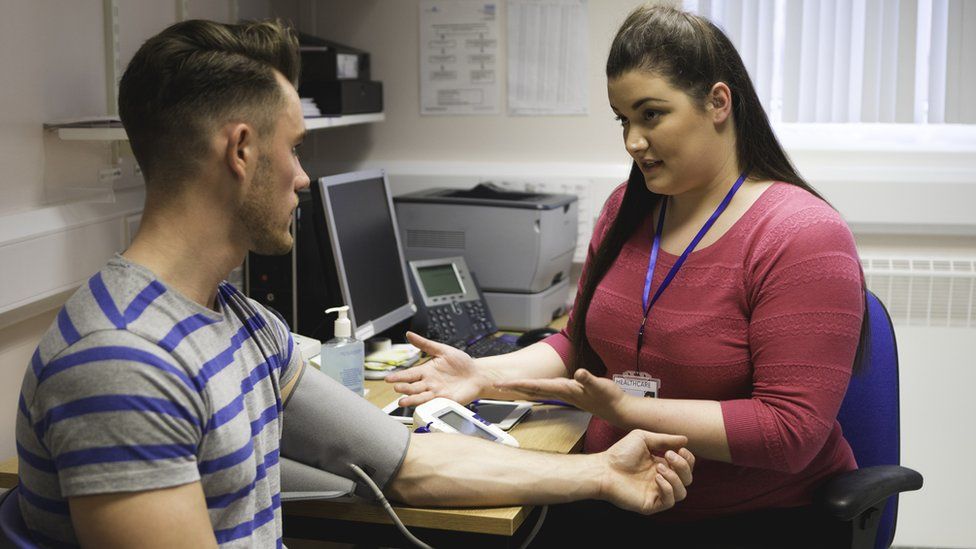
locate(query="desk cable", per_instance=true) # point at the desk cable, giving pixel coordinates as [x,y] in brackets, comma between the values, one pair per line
[389,508]
[536,528]
[416,541]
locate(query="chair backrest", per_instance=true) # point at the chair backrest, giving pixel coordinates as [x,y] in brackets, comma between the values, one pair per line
[869,414]
[13,530]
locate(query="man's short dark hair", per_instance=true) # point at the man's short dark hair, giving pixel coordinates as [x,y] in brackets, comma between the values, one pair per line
[195,75]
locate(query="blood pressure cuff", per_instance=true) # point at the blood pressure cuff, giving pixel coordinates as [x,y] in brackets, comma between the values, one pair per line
[300,482]
[327,426]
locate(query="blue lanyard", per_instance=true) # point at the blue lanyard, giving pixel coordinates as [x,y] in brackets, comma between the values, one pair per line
[656,246]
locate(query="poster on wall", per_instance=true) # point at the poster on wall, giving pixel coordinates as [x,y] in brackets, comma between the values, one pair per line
[547,57]
[459,57]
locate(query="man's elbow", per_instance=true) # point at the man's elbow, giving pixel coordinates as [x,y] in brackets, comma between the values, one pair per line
[408,485]
[412,492]
[400,492]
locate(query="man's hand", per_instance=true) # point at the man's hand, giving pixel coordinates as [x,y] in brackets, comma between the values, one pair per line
[597,395]
[450,373]
[640,481]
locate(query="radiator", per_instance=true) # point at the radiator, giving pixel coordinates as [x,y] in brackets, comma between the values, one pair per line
[919,291]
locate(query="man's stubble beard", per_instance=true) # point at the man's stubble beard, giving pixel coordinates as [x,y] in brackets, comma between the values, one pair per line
[256,214]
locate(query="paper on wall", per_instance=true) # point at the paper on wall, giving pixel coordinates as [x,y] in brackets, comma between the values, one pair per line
[547,57]
[459,57]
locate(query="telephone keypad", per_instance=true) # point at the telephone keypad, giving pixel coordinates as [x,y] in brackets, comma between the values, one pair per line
[447,320]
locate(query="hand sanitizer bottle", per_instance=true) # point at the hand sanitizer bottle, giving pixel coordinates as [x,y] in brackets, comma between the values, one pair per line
[342,357]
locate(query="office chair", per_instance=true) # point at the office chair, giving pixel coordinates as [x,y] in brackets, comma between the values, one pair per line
[13,530]
[868,496]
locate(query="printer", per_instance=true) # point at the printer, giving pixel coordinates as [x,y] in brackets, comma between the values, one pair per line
[519,245]
[336,79]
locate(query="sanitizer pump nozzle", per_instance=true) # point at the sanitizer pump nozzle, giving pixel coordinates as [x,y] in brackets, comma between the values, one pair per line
[343,328]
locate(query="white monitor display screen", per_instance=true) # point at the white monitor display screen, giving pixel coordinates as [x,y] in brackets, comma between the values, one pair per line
[463,426]
[367,249]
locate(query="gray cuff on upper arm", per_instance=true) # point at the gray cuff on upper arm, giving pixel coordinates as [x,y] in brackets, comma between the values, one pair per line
[328,427]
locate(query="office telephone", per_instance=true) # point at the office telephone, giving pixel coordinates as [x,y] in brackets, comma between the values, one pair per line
[451,309]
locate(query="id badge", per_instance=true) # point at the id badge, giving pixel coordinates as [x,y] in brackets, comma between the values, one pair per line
[637,384]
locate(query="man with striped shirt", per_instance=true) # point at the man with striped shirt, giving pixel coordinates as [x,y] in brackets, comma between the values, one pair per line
[155,411]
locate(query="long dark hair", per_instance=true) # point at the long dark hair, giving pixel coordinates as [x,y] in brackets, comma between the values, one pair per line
[692,54]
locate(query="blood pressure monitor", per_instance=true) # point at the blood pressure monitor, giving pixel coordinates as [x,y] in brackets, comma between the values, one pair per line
[446,416]
[502,413]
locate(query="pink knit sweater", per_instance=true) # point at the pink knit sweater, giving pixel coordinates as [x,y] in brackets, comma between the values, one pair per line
[766,321]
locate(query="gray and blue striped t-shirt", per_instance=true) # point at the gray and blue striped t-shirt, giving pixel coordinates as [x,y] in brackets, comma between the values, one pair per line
[137,388]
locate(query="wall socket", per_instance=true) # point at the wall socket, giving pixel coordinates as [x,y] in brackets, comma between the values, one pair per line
[109,174]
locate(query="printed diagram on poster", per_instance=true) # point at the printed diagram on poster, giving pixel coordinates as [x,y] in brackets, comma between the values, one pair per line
[459,57]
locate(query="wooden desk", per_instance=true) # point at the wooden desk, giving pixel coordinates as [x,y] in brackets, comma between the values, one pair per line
[554,429]
[8,474]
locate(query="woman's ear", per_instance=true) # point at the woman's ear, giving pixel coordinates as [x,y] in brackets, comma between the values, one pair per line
[719,102]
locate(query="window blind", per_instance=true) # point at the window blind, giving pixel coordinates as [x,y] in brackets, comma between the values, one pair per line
[844,61]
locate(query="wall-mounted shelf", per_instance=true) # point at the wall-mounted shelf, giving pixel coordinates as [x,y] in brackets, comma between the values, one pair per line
[92,134]
[347,120]
[311,124]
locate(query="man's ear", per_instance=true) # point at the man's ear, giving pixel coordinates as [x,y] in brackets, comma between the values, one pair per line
[240,154]
[719,102]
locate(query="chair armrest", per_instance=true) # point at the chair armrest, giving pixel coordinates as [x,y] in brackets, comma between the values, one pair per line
[849,494]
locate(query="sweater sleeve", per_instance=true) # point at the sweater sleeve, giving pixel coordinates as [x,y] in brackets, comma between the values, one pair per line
[805,287]
[561,341]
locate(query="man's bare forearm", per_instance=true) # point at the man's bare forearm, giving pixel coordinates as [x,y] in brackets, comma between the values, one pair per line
[451,470]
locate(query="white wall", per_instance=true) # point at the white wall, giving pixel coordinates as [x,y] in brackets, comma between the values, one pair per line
[70,49]
[937,412]
[389,31]
[57,223]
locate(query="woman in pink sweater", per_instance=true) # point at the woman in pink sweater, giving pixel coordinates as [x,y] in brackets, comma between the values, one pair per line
[717,280]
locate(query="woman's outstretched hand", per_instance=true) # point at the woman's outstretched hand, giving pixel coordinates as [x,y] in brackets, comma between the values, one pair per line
[597,395]
[450,373]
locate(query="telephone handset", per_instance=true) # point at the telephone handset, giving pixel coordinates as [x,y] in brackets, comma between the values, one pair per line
[450,307]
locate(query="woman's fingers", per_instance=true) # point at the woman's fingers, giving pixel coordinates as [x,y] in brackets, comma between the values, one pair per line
[410,388]
[410,375]
[583,376]
[428,346]
[416,399]
[596,384]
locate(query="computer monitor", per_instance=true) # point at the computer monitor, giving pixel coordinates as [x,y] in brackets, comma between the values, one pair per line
[365,244]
